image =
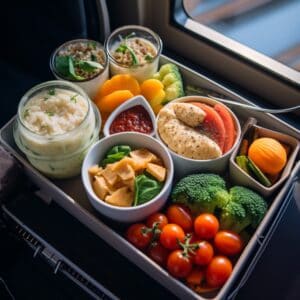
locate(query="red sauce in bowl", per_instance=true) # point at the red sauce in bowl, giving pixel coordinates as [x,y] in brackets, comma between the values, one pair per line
[133,119]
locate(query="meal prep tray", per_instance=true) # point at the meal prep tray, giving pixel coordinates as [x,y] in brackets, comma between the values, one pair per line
[71,196]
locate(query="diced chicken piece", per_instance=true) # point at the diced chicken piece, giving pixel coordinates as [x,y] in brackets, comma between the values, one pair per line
[157,161]
[95,170]
[141,157]
[126,160]
[189,114]
[110,176]
[129,183]
[121,197]
[157,171]
[100,187]
[123,169]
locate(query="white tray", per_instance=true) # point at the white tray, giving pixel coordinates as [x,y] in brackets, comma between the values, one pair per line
[71,196]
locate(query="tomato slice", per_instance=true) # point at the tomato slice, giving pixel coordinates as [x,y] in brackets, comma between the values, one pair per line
[213,125]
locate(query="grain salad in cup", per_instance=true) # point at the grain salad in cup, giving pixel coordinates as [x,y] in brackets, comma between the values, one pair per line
[134,50]
[55,126]
[83,62]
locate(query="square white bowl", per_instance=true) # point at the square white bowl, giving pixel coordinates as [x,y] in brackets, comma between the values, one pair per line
[240,177]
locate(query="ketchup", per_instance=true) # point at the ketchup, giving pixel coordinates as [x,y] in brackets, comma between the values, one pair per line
[133,119]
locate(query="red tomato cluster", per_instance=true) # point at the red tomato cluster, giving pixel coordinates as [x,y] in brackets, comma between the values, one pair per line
[193,249]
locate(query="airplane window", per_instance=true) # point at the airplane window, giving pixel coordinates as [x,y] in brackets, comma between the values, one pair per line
[268,26]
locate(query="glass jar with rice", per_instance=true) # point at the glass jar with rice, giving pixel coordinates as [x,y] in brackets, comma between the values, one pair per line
[55,126]
[134,50]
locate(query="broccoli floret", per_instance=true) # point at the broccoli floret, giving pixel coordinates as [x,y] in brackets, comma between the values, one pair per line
[201,192]
[245,208]
[170,77]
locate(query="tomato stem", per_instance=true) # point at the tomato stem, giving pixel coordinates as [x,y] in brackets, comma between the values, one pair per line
[188,247]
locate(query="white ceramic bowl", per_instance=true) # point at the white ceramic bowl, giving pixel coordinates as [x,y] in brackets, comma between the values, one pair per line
[138,100]
[135,140]
[183,165]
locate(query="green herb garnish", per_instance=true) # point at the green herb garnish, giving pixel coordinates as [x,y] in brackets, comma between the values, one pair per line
[72,70]
[46,98]
[73,98]
[123,47]
[92,45]
[88,65]
[49,113]
[26,113]
[148,58]
[65,67]
[116,153]
[51,91]
[145,189]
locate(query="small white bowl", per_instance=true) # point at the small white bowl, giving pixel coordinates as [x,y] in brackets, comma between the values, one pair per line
[183,165]
[137,100]
[135,140]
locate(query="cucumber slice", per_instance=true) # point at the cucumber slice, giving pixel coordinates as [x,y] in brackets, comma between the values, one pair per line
[242,162]
[258,174]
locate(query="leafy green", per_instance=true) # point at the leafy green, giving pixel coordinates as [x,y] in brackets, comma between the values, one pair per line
[49,113]
[72,73]
[65,67]
[146,188]
[242,162]
[73,98]
[51,91]
[92,45]
[148,57]
[116,153]
[123,47]
[26,113]
[257,173]
[88,65]
[62,65]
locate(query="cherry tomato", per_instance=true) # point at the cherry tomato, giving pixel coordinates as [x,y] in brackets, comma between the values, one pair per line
[195,277]
[158,253]
[178,264]
[170,235]
[218,271]
[159,218]
[180,215]
[135,235]
[228,242]
[206,226]
[204,254]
